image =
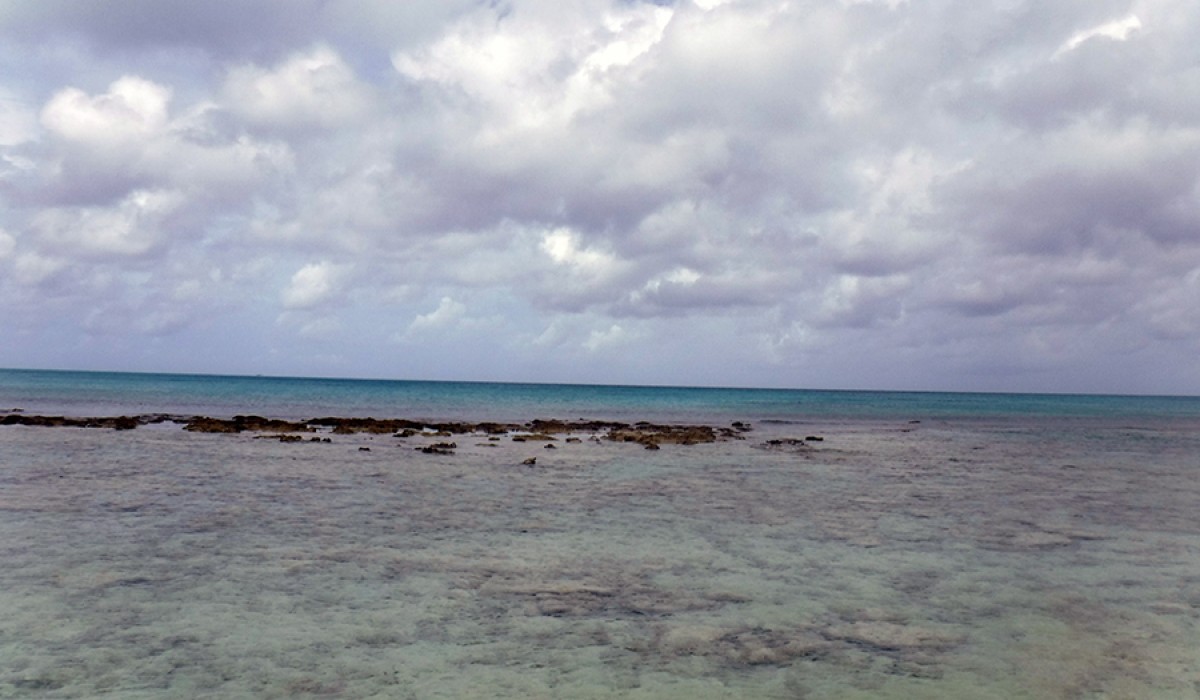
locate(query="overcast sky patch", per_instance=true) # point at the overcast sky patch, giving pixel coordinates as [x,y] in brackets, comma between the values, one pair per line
[838,193]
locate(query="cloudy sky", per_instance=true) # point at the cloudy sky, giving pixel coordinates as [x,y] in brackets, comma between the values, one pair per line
[921,194]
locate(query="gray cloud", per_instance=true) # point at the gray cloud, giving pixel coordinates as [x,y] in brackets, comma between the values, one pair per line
[855,193]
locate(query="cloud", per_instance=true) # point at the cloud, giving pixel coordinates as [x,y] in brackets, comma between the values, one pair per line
[1116,30]
[312,285]
[315,88]
[982,195]
[448,313]
[32,269]
[131,110]
[260,30]
[133,227]
[563,248]
[18,123]
[598,339]
[99,149]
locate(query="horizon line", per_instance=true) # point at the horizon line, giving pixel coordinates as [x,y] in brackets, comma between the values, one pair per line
[715,387]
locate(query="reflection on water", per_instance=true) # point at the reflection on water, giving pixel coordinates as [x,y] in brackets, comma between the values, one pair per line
[887,561]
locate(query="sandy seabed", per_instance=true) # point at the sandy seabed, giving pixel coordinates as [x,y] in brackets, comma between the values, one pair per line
[885,561]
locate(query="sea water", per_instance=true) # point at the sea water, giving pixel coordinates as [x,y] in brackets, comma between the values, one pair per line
[115,393]
[929,546]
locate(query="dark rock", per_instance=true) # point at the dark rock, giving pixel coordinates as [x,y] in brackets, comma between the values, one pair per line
[557,427]
[533,436]
[439,448]
[237,424]
[285,437]
[117,423]
[647,433]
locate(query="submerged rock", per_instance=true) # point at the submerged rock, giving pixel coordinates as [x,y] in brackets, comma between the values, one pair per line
[751,647]
[647,433]
[439,448]
[540,437]
[285,437]
[892,636]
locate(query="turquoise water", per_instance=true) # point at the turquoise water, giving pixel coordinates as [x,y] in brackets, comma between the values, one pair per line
[112,393]
[1005,546]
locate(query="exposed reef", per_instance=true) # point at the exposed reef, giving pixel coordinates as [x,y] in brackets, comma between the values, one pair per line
[111,422]
[650,435]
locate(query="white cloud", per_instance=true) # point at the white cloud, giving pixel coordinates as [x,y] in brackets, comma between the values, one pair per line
[102,147]
[312,285]
[133,109]
[540,67]
[447,314]
[132,227]
[1117,30]
[562,245]
[311,88]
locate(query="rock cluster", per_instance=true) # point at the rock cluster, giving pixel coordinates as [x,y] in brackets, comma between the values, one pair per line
[237,424]
[652,435]
[439,448]
[114,423]
[649,435]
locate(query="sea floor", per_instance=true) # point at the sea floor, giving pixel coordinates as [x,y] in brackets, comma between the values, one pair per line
[885,561]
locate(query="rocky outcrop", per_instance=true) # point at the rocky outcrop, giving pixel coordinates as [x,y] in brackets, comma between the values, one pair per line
[649,435]
[114,423]
[439,448]
[237,424]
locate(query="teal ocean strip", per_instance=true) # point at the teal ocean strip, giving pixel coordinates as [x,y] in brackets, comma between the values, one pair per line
[115,393]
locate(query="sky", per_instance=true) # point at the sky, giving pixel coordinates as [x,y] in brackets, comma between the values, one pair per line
[993,195]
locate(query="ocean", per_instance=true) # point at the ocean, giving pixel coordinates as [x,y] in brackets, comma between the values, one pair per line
[832,545]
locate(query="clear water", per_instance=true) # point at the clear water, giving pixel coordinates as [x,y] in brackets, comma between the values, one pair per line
[1047,550]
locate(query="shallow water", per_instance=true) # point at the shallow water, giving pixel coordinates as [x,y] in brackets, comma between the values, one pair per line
[891,560]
